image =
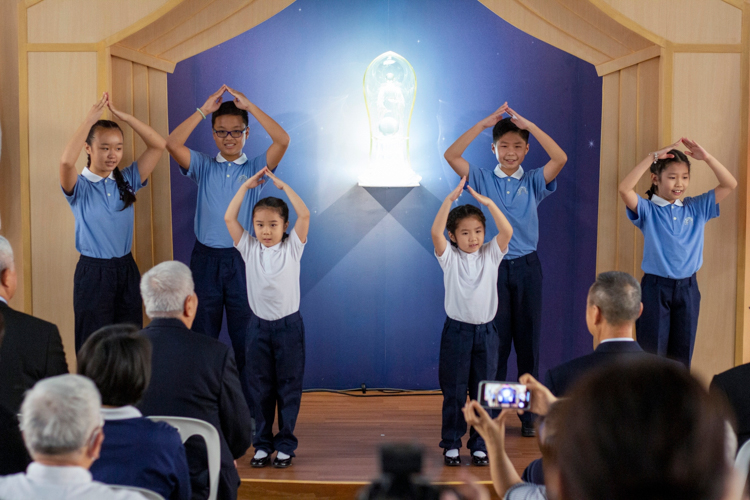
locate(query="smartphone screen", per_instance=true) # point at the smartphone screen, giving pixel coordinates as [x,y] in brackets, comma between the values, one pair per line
[495,395]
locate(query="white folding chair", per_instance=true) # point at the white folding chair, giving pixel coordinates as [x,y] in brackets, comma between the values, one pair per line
[742,460]
[188,427]
[147,494]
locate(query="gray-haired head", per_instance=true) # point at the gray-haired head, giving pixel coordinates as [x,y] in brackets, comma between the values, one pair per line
[59,415]
[618,297]
[6,255]
[164,289]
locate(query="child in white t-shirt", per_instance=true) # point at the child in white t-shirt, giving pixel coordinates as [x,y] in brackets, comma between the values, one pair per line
[275,343]
[469,343]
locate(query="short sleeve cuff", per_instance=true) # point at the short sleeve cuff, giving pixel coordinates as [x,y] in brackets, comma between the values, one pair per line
[74,194]
[498,253]
[714,209]
[445,258]
[295,239]
[243,246]
[132,174]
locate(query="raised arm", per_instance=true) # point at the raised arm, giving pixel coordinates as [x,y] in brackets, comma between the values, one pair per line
[557,157]
[454,154]
[727,182]
[441,219]
[502,471]
[504,229]
[278,135]
[155,143]
[178,137]
[627,186]
[68,172]
[303,213]
[230,217]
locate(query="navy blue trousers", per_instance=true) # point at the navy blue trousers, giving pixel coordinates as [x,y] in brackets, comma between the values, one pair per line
[468,355]
[219,275]
[105,292]
[276,365]
[669,321]
[519,316]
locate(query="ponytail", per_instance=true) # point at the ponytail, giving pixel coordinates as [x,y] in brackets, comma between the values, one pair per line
[660,165]
[127,194]
[126,191]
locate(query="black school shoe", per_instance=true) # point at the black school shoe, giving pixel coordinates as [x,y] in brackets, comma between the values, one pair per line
[282,463]
[528,430]
[451,461]
[260,462]
[480,461]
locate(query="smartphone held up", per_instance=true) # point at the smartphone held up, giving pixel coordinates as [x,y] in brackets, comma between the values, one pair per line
[497,395]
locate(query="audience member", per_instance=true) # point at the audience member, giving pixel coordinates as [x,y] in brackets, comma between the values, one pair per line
[31,350]
[193,376]
[734,384]
[136,451]
[13,455]
[632,429]
[644,430]
[62,429]
[612,306]
[506,481]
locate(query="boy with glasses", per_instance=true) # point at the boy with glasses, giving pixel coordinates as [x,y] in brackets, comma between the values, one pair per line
[218,269]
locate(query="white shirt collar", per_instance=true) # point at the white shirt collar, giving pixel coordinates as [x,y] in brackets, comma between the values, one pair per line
[121,413]
[58,474]
[239,161]
[516,175]
[618,339]
[661,202]
[274,248]
[91,176]
[3,300]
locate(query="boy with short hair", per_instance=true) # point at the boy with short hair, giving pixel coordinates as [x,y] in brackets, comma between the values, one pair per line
[217,267]
[517,192]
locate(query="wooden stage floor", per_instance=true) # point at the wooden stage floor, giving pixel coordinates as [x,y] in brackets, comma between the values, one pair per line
[339,438]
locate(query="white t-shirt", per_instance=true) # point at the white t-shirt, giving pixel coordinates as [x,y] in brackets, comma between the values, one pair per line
[471,282]
[272,275]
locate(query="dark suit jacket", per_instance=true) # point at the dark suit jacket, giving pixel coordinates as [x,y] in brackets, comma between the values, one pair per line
[193,375]
[562,377]
[735,384]
[31,350]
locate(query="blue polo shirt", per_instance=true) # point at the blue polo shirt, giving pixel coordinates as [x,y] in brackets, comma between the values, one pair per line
[103,229]
[517,196]
[218,181]
[673,233]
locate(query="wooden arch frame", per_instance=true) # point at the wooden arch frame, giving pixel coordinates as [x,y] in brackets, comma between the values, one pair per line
[64,63]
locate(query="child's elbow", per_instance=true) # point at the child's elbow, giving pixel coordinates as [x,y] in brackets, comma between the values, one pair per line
[284,141]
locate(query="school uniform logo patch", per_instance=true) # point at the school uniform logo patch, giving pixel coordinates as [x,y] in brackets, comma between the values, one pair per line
[241,179]
[688,221]
[522,190]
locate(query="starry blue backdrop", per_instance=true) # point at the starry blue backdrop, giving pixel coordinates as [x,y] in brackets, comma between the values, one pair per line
[372,290]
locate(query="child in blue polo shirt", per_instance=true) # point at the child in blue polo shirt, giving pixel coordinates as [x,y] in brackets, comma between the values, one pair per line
[469,342]
[106,282]
[672,245]
[218,269]
[517,192]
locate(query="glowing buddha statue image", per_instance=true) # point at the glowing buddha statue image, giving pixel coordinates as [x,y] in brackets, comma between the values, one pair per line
[390,87]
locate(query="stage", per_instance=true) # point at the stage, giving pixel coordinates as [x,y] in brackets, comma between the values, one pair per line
[339,438]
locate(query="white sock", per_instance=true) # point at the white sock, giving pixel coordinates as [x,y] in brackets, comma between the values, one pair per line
[260,454]
[281,455]
[479,454]
[451,453]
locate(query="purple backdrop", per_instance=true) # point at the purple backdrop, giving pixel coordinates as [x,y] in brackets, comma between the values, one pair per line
[372,291]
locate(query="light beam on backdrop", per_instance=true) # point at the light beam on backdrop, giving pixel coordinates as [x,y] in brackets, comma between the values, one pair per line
[390,87]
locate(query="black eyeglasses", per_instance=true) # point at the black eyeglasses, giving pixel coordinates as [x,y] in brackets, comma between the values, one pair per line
[234,133]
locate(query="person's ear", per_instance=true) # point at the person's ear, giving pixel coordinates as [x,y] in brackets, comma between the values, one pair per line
[527,147]
[286,225]
[190,307]
[453,238]
[87,148]
[654,178]
[4,277]
[640,311]
[493,148]
[95,447]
